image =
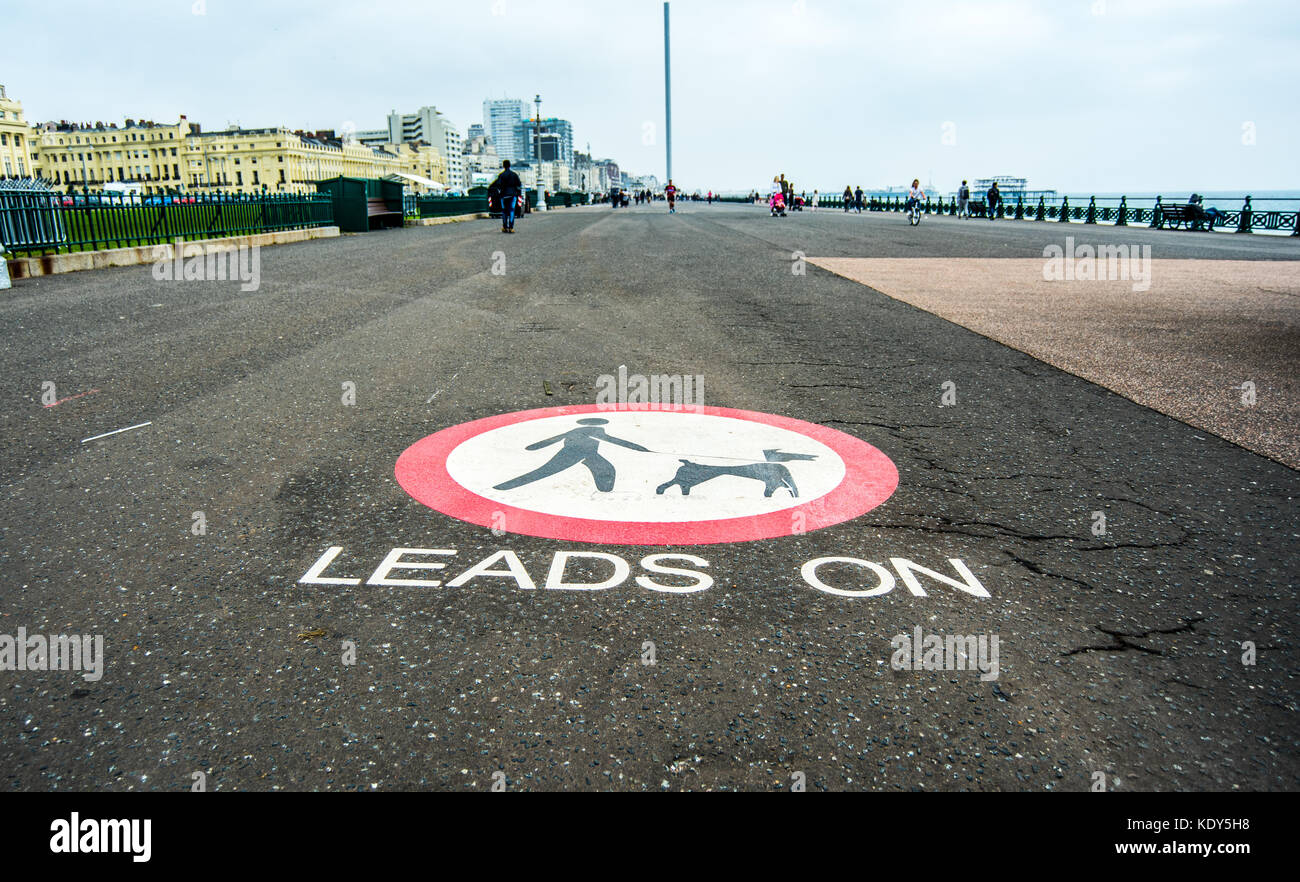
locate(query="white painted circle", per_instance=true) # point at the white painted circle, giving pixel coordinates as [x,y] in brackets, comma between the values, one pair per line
[482,462]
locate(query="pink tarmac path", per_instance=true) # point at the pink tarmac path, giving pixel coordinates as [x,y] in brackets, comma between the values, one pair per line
[1186,347]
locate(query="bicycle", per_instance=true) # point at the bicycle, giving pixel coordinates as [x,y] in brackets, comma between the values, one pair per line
[914,213]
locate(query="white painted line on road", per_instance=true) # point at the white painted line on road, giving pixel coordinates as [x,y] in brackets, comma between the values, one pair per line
[440,391]
[116,432]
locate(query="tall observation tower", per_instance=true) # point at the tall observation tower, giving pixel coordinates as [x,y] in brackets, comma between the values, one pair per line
[668,96]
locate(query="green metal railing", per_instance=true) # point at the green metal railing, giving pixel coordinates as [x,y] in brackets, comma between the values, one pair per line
[448,206]
[566,199]
[90,221]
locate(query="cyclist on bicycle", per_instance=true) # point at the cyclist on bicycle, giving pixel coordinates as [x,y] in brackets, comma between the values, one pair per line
[914,195]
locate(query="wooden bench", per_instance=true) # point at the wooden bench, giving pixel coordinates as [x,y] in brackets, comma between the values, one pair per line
[1192,215]
[377,211]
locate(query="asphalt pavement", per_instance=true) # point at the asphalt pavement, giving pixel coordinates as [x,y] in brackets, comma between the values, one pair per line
[1153,646]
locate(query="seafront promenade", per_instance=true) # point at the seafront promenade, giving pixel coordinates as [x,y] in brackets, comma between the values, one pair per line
[231,486]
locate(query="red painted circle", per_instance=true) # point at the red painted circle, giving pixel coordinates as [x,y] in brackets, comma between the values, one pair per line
[870,478]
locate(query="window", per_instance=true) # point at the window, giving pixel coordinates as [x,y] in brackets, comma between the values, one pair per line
[255,180]
[239,179]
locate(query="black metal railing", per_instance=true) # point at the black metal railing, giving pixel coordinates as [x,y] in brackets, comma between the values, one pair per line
[1118,211]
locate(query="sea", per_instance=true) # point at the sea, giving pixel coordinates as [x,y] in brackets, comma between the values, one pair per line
[1224,200]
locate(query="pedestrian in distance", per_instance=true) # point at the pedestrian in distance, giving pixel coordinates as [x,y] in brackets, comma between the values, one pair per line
[507,187]
[776,199]
[857,199]
[993,199]
[848,198]
[671,193]
[816,200]
[963,200]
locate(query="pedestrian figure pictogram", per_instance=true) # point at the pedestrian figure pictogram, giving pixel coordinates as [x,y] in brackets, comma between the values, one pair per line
[581,445]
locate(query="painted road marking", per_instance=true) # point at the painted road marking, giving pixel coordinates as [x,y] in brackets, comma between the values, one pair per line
[440,391]
[641,476]
[70,398]
[849,577]
[115,432]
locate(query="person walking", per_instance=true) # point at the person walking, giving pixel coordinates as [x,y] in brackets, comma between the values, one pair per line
[848,198]
[816,200]
[994,200]
[857,199]
[507,186]
[671,193]
[776,197]
[963,200]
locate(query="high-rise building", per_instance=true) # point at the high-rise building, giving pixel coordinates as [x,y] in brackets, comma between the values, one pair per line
[557,139]
[501,119]
[428,125]
[15,139]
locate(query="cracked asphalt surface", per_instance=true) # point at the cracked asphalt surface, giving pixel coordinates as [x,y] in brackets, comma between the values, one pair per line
[1120,653]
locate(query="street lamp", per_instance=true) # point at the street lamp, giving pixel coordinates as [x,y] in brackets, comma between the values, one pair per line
[541,191]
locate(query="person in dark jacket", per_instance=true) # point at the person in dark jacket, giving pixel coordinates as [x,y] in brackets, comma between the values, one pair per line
[993,199]
[507,187]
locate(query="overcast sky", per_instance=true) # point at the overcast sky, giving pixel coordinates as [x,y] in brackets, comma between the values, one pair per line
[1077,95]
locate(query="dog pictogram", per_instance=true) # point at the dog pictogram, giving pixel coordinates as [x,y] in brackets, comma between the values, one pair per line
[771,473]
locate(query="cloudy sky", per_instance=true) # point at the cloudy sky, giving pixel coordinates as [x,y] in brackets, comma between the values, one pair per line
[1077,95]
